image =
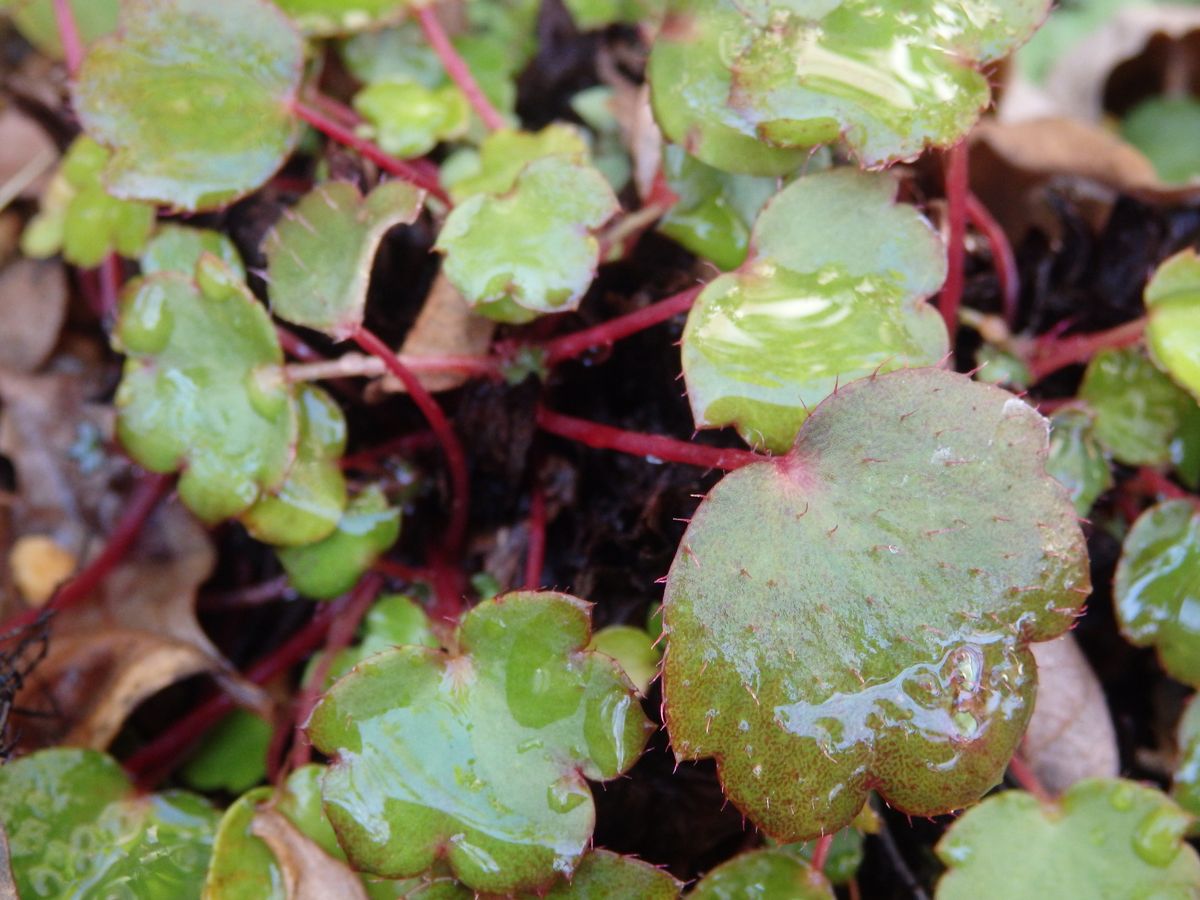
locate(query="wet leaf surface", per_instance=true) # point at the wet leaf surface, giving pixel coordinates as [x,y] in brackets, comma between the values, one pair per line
[763,873]
[1173,319]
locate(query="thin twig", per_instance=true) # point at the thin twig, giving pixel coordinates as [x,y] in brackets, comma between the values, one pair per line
[570,346]
[1003,259]
[457,68]
[1051,353]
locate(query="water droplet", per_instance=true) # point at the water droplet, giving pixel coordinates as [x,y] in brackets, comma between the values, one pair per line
[147,324]
[1122,797]
[530,744]
[956,851]
[565,794]
[264,388]
[1157,837]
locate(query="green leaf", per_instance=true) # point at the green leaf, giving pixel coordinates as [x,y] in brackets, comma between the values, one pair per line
[194,97]
[1156,591]
[533,250]
[177,248]
[1185,449]
[479,756]
[603,875]
[394,620]
[1185,785]
[1067,25]
[205,351]
[593,14]
[715,209]
[1107,839]
[408,119]
[1166,130]
[597,107]
[1003,368]
[765,874]
[80,218]
[77,828]
[319,255]
[855,615]
[1138,410]
[845,854]
[325,17]
[1076,460]
[1173,319]
[232,756]
[633,649]
[330,567]
[243,866]
[764,345]
[400,53]
[37,24]
[502,157]
[309,504]
[890,79]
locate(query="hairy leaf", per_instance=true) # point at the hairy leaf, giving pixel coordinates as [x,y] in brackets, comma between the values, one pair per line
[763,873]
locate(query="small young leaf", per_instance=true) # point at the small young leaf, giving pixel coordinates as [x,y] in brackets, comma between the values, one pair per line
[309,504]
[330,567]
[767,343]
[1138,410]
[856,614]
[632,648]
[763,873]
[480,756]
[408,119]
[194,97]
[319,255]
[1156,590]
[1076,460]
[76,827]
[531,251]
[325,17]
[504,154]
[395,620]
[889,79]
[205,350]
[232,756]
[1173,312]
[176,248]
[1104,838]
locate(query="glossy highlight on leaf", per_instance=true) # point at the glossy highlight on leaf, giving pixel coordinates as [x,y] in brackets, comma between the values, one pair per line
[855,615]
[1105,838]
[502,157]
[319,255]
[603,875]
[1173,312]
[200,390]
[889,79]
[809,310]
[1076,459]
[1156,591]
[479,756]
[408,119]
[765,874]
[194,98]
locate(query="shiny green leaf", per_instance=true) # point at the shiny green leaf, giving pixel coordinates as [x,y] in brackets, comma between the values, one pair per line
[394,620]
[763,874]
[408,119]
[243,866]
[1185,784]
[494,169]
[1104,839]
[479,756]
[319,255]
[1156,591]
[325,17]
[1076,460]
[855,615]
[77,828]
[1173,319]
[531,251]
[764,345]
[330,567]
[194,97]
[201,390]
[177,248]
[633,649]
[1138,410]
[890,78]
[232,756]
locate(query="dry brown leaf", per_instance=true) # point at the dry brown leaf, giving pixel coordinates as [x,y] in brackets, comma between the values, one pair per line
[27,156]
[309,873]
[1070,734]
[445,325]
[33,306]
[39,566]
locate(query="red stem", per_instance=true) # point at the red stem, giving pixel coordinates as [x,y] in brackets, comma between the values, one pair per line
[1051,353]
[417,175]
[339,636]
[821,852]
[146,494]
[1025,777]
[448,588]
[456,459]
[251,595]
[402,445]
[1155,484]
[570,346]
[957,188]
[457,68]
[340,111]
[295,346]
[155,761]
[1002,257]
[111,277]
[535,554]
[393,569]
[605,437]
[68,36]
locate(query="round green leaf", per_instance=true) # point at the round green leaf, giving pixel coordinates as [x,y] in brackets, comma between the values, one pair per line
[177,248]
[1156,589]
[408,119]
[194,97]
[855,615]
[1105,839]
[533,250]
[1076,460]
[326,17]
[1166,130]
[764,345]
[320,253]
[633,649]
[765,874]
[1173,319]
[331,566]
[201,389]
[889,78]
[1138,410]
[77,828]
[232,756]
[309,504]
[479,756]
